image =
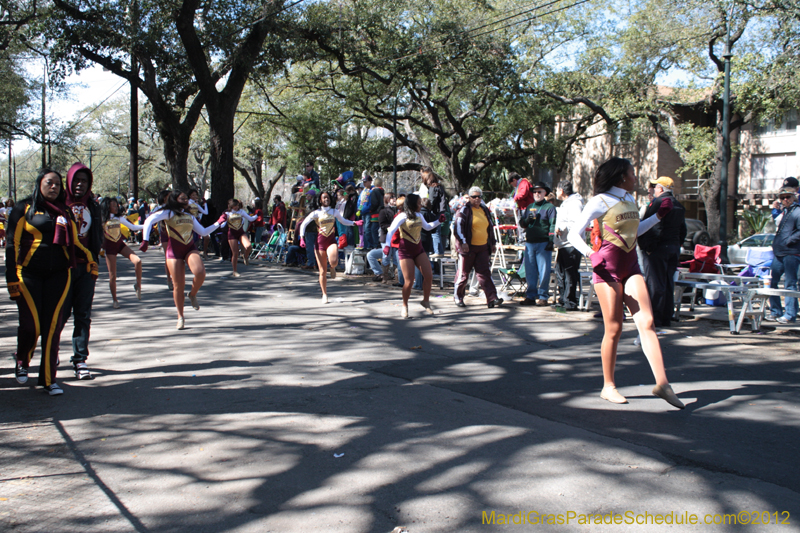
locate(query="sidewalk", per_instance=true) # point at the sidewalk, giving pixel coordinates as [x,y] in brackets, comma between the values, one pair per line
[271,412]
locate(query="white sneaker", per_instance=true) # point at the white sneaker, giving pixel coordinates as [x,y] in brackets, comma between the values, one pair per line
[246,259]
[82,371]
[138,290]
[236,275]
[54,390]
[427,306]
[333,272]
[116,304]
[180,323]
[324,298]
[404,312]
[193,299]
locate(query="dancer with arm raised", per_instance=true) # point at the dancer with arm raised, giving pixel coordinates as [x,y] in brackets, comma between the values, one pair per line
[181,250]
[326,249]
[617,280]
[114,244]
[410,253]
[235,217]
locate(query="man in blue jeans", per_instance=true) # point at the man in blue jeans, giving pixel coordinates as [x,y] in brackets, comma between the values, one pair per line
[539,222]
[364,212]
[786,247]
[79,303]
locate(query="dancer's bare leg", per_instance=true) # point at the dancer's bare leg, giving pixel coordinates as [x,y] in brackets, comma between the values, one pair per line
[234,244]
[322,263]
[137,263]
[333,256]
[177,269]
[111,263]
[638,301]
[609,295]
[198,270]
[246,246]
[407,266]
[424,265]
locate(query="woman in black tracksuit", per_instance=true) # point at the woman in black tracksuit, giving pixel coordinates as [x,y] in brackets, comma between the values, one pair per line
[40,253]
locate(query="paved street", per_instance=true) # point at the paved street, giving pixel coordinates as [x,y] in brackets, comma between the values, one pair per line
[271,412]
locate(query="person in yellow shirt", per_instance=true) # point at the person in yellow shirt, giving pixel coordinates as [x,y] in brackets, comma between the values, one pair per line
[476,244]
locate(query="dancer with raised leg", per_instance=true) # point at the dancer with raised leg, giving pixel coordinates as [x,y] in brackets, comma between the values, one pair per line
[235,217]
[326,249]
[181,250]
[114,244]
[410,224]
[617,278]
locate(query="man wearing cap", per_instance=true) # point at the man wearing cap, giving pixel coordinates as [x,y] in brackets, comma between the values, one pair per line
[777,208]
[539,222]
[786,248]
[661,250]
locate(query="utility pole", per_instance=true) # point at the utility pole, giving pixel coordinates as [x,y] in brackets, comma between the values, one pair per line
[44,116]
[10,190]
[133,184]
[726,145]
[91,152]
[394,147]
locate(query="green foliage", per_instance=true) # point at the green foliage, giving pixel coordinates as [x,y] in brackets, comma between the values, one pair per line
[697,147]
[756,219]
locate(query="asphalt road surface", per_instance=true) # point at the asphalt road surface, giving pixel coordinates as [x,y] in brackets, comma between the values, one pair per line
[272,412]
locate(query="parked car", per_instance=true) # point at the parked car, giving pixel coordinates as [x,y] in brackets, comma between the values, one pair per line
[737,253]
[696,234]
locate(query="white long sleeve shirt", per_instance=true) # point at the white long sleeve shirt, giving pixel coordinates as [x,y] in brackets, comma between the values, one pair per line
[165,214]
[319,212]
[402,217]
[568,214]
[596,207]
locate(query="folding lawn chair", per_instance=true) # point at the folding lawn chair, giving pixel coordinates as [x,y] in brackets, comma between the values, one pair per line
[279,252]
[706,259]
[513,280]
[272,250]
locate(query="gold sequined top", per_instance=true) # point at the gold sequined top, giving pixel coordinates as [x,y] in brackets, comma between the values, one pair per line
[235,221]
[112,230]
[411,230]
[620,224]
[180,227]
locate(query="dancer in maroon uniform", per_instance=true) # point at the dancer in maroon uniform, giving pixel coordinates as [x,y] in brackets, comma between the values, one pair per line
[326,249]
[114,244]
[181,250]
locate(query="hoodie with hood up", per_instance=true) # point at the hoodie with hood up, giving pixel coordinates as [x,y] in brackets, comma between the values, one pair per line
[86,211]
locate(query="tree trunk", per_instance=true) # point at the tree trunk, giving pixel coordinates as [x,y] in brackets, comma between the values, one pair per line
[176,156]
[711,188]
[220,125]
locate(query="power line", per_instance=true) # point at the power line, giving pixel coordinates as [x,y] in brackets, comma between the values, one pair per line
[74,124]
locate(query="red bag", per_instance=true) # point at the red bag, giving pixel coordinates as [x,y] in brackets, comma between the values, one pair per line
[342,241]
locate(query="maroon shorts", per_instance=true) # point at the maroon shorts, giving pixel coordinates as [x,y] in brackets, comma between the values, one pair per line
[324,242]
[409,250]
[113,248]
[235,234]
[178,250]
[616,266]
[165,240]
